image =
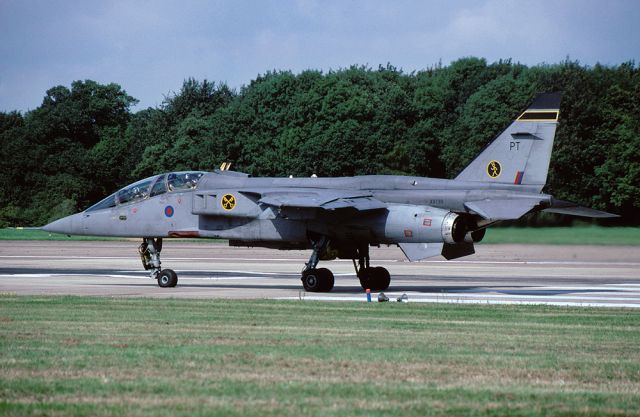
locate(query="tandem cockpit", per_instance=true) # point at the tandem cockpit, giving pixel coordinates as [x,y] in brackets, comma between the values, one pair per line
[134,211]
[149,188]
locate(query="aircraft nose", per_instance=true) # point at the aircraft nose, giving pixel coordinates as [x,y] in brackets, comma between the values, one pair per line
[63,226]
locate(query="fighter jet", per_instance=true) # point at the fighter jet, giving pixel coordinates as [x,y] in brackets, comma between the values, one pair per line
[340,217]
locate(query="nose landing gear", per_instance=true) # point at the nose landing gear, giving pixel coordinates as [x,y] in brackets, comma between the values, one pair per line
[150,256]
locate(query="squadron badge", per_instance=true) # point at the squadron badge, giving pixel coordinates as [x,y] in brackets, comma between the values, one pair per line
[228,202]
[494,169]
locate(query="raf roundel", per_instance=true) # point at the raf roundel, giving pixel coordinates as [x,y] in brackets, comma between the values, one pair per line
[494,169]
[168,211]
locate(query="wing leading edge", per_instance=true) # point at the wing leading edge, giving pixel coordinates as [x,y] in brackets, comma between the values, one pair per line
[326,200]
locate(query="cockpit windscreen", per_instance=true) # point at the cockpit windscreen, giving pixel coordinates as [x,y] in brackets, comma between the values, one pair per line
[151,187]
[183,180]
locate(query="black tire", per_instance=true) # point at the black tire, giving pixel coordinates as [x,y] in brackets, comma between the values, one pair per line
[382,279]
[365,276]
[167,278]
[374,279]
[326,279]
[311,280]
[317,280]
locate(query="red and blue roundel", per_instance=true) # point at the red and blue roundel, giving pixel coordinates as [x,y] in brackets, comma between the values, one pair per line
[168,211]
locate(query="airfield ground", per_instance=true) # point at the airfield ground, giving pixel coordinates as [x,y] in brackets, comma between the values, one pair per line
[554,275]
[123,346]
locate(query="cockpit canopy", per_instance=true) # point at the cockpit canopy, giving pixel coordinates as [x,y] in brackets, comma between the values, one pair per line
[151,187]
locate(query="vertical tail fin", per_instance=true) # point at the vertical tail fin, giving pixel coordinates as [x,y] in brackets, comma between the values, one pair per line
[520,155]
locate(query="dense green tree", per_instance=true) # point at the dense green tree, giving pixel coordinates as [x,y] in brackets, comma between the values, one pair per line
[84,142]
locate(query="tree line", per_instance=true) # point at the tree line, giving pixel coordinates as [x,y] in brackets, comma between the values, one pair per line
[84,141]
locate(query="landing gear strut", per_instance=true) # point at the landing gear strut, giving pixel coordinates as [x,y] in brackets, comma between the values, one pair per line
[321,279]
[150,255]
[372,278]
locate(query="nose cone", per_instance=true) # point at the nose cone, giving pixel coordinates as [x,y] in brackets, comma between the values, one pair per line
[67,225]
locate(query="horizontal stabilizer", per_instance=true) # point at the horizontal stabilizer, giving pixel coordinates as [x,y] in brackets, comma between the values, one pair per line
[573,209]
[501,209]
[418,251]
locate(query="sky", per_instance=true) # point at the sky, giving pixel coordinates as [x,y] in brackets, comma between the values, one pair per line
[150,47]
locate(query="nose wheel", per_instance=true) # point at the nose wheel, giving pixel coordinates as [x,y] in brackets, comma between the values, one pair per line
[167,278]
[150,255]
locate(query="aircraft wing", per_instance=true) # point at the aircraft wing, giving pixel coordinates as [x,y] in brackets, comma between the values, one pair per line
[325,199]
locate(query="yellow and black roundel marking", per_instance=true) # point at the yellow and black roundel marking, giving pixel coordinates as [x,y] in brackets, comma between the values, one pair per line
[228,202]
[494,169]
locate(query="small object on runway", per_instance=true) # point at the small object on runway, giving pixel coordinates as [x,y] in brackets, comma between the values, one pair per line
[382,298]
[403,298]
[368,295]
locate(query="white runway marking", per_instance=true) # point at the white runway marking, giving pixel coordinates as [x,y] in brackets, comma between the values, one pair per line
[141,277]
[464,301]
[584,300]
[167,259]
[241,259]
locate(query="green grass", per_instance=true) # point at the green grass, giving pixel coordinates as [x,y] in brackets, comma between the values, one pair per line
[578,235]
[73,356]
[19,233]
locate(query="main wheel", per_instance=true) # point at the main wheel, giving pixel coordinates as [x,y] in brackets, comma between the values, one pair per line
[382,278]
[317,280]
[326,279]
[374,278]
[365,277]
[167,278]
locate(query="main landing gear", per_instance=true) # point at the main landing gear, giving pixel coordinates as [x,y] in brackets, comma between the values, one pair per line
[322,280]
[373,278]
[150,255]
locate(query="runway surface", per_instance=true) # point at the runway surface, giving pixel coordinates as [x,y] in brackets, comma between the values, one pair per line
[496,274]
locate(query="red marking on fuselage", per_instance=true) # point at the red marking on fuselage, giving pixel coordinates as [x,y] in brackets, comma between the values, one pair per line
[184,233]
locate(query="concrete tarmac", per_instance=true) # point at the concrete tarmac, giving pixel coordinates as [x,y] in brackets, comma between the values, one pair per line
[597,276]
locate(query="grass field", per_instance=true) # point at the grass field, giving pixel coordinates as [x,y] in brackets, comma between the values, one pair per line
[73,356]
[578,235]
[13,233]
[584,235]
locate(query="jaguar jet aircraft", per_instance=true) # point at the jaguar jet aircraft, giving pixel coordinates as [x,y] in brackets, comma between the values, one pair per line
[340,217]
